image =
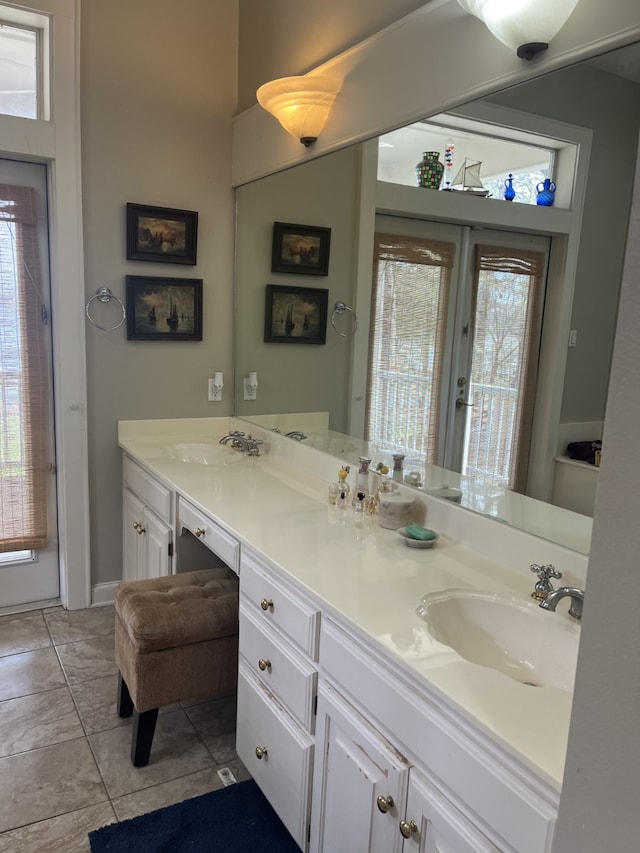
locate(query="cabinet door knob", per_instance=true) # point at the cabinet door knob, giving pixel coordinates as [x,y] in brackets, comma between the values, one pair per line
[139,528]
[266,603]
[199,532]
[407,828]
[261,752]
[264,664]
[385,803]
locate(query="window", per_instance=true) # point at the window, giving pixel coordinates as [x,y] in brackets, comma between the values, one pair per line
[19,94]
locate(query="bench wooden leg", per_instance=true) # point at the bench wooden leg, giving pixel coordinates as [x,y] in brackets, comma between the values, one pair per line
[144,726]
[125,702]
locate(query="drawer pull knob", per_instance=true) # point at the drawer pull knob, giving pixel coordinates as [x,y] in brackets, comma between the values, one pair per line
[138,528]
[407,828]
[385,803]
[266,603]
[199,532]
[264,664]
[261,752]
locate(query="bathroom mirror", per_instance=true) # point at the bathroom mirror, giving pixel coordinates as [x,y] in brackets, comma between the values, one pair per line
[340,191]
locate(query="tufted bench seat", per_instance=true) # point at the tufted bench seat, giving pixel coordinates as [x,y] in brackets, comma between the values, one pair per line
[176,638]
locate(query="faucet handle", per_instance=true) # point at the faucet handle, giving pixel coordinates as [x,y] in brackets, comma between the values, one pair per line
[544,586]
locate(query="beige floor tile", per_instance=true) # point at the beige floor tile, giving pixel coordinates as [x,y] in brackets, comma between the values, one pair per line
[86,660]
[30,672]
[48,782]
[65,834]
[69,626]
[23,632]
[215,722]
[96,704]
[177,750]
[43,719]
[166,794]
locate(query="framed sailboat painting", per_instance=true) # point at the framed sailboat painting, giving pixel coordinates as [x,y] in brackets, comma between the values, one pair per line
[295,315]
[163,309]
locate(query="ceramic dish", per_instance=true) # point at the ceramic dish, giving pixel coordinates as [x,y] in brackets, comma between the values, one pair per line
[416,543]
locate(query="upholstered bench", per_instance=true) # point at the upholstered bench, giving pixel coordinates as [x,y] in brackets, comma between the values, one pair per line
[176,638]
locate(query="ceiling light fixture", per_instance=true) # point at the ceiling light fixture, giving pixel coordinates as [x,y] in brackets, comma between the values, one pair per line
[527,26]
[301,104]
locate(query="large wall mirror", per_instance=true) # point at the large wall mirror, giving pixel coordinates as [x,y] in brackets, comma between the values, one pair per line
[585,122]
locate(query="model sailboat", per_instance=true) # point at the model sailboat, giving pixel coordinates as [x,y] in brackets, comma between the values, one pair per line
[467,179]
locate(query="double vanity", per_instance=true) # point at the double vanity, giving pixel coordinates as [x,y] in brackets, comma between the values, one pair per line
[389,698]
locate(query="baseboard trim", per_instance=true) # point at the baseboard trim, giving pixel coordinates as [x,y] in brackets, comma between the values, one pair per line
[103,593]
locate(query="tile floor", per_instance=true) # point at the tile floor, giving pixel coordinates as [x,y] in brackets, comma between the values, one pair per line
[64,752]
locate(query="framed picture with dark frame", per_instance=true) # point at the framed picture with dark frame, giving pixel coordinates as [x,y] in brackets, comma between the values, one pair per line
[302,249]
[163,309]
[161,234]
[295,315]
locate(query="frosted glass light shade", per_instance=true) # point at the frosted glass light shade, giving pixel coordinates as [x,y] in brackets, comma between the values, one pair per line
[522,23]
[301,104]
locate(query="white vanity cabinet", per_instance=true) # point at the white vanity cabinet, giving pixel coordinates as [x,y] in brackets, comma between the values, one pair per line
[196,529]
[445,787]
[277,691]
[147,524]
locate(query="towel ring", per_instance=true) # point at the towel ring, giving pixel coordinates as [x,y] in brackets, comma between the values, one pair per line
[104,294]
[340,308]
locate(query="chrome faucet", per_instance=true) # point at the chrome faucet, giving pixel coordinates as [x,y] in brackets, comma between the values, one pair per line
[296,434]
[239,441]
[543,586]
[576,596]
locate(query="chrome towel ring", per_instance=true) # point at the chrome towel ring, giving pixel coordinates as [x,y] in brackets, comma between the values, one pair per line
[104,294]
[340,308]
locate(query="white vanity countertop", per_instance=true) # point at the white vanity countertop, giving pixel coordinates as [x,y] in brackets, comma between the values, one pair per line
[367,575]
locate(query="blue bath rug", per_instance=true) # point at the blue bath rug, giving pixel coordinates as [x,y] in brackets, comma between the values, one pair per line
[236,819]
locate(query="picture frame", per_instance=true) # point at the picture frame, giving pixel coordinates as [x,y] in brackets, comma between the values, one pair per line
[161,234]
[163,309]
[295,315]
[301,249]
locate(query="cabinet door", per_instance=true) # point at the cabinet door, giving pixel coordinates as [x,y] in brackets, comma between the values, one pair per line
[155,560]
[434,825]
[132,515]
[359,784]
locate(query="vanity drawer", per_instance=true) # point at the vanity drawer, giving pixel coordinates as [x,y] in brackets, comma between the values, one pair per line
[273,661]
[284,772]
[280,606]
[209,533]
[152,493]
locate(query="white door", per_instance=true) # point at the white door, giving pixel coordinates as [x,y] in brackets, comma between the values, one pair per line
[26,576]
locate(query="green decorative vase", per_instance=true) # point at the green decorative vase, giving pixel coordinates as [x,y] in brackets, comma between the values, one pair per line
[430,170]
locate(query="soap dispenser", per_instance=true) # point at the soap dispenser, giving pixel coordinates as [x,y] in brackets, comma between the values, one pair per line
[361,492]
[339,491]
[398,459]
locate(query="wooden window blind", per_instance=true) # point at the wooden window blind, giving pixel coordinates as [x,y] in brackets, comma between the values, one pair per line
[24,384]
[506,339]
[411,278]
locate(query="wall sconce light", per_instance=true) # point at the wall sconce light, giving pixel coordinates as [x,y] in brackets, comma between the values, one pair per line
[215,387]
[301,104]
[251,386]
[527,26]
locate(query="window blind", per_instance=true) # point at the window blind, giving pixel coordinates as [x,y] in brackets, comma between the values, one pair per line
[24,381]
[506,338]
[411,279]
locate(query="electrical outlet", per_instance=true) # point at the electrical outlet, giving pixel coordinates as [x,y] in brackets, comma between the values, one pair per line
[214,395]
[250,393]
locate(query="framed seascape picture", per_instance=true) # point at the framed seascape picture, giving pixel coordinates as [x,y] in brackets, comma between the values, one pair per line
[295,315]
[302,249]
[163,309]
[161,234]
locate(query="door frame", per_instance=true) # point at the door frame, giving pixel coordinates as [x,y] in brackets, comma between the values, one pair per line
[56,142]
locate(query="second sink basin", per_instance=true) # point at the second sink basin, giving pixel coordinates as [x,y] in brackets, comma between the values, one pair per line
[510,635]
[201,453]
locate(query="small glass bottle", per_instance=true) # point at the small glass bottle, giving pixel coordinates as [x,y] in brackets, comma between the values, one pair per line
[340,490]
[384,486]
[398,459]
[361,492]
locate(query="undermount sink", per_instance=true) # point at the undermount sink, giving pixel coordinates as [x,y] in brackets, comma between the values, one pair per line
[511,635]
[201,453]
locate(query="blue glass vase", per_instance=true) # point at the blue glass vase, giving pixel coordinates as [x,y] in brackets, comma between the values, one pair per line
[509,192]
[546,192]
